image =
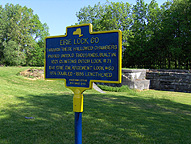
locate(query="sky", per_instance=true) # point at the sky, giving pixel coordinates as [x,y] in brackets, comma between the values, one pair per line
[58,14]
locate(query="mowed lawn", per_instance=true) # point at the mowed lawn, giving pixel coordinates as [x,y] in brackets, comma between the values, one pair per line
[40,112]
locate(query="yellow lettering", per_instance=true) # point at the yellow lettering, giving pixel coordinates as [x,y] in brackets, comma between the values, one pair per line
[68,68]
[71,61]
[66,48]
[97,74]
[54,61]
[79,73]
[60,67]
[51,67]
[81,67]
[64,73]
[110,68]
[106,60]
[107,47]
[52,73]
[98,68]
[94,54]
[83,60]
[94,40]
[84,48]
[81,41]
[54,49]
[54,56]
[96,61]
[67,55]
[65,42]
[113,54]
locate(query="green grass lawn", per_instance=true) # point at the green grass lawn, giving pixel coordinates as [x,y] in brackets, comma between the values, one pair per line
[147,117]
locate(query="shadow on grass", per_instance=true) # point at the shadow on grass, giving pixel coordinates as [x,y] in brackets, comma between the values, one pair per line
[52,120]
[107,119]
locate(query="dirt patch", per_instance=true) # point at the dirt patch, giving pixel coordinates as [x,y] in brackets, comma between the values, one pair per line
[33,74]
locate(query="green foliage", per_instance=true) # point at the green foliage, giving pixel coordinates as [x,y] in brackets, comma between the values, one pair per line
[20,27]
[37,56]
[12,54]
[153,36]
[176,26]
[115,89]
[110,16]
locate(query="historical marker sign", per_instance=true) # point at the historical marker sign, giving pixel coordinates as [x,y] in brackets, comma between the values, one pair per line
[81,56]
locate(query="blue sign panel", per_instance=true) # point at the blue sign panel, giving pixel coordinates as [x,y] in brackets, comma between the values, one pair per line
[82,56]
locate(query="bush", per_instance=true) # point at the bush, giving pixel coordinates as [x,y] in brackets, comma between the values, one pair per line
[123,88]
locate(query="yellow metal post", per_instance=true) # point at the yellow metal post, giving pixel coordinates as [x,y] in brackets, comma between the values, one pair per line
[78,109]
[78,101]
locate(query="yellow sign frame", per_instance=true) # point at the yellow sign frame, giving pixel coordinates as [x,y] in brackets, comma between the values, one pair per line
[78,97]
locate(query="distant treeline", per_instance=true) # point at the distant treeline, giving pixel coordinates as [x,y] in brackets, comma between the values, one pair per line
[21,36]
[153,36]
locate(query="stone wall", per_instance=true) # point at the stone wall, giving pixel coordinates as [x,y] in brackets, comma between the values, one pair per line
[134,79]
[170,80]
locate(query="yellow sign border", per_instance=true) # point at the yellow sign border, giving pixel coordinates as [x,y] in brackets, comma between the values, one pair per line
[91,81]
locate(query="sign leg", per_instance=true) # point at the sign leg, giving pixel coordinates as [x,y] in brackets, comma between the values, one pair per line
[78,109]
[78,127]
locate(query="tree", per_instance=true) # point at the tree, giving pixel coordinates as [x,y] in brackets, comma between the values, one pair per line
[134,54]
[153,52]
[23,28]
[3,17]
[110,16]
[13,55]
[37,56]
[175,33]
[153,36]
